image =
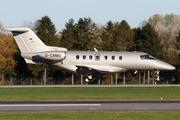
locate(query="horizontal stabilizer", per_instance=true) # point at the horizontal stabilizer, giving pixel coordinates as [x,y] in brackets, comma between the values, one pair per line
[29,61]
[32,62]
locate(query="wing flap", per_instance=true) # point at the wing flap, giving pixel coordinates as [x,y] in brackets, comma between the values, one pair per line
[89,70]
[97,69]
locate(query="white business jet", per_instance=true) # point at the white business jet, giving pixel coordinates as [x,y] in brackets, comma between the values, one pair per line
[34,51]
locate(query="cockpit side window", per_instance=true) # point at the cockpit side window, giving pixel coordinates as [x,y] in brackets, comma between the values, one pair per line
[146,57]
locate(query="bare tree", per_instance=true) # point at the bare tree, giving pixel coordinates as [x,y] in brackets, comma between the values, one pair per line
[167,28]
[31,25]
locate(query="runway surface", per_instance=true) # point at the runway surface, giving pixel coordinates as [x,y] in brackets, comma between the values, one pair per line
[25,86]
[37,106]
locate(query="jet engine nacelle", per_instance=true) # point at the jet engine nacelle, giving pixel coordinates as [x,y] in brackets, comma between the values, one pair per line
[53,55]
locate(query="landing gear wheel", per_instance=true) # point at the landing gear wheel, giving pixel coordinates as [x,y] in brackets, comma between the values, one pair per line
[88,78]
[157,75]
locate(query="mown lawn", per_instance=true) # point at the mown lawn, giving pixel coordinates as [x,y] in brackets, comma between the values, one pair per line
[89,93]
[91,116]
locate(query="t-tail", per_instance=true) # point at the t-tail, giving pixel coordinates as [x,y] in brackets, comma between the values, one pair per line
[28,42]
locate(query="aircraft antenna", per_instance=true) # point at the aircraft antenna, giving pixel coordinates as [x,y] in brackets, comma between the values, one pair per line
[95,49]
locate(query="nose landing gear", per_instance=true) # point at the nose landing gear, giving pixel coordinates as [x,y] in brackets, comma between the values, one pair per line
[157,74]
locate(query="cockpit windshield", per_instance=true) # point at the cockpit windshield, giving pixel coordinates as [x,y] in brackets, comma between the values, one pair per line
[146,57]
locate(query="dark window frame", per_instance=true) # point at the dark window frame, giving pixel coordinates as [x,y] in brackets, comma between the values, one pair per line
[147,57]
[97,55]
[113,57]
[90,57]
[84,57]
[105,57]
[77,57]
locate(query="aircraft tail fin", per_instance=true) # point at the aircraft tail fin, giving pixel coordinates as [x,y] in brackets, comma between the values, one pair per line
[27,40]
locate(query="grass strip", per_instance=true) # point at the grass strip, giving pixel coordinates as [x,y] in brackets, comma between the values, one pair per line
[130,115]
[88,93]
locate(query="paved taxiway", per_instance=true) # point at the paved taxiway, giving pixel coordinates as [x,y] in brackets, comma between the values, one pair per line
[37,106]
[24,86]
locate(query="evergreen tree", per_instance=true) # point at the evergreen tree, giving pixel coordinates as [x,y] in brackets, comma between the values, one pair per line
[107,37]
[147,41]
[117,36]
[137,38]
[85,34]
[46,31]
[123,36]
[68,35]
[79,36]
[21,68]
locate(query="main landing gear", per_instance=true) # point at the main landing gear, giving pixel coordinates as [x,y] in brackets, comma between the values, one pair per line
[88,78]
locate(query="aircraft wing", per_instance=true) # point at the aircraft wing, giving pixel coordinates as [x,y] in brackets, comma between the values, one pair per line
[82,69]
[97,69]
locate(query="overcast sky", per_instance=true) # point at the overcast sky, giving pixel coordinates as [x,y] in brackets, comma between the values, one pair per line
[14,12]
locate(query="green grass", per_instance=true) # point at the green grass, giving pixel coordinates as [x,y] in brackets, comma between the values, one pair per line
[89,93]
[91,116]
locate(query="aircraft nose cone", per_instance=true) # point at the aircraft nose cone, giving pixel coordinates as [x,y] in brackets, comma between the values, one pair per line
[164,66]
[171,67]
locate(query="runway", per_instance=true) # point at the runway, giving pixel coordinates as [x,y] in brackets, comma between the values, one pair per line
[38,106]
[34,86]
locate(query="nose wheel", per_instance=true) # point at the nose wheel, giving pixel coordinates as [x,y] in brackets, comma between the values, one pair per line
[157,74]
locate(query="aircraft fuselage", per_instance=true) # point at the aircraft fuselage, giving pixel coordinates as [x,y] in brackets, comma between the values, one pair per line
[101,60]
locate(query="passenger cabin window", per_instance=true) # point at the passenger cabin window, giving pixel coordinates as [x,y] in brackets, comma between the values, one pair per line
[97,57]
[120,57]
[77,57]
[84,57]
[113,57]
[146,57]
[105,57]
[90,57]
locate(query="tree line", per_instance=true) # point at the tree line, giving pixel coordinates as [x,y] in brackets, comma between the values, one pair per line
[159,36]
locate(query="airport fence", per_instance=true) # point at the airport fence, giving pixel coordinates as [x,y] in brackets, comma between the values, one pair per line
[31,81]
[80,81]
